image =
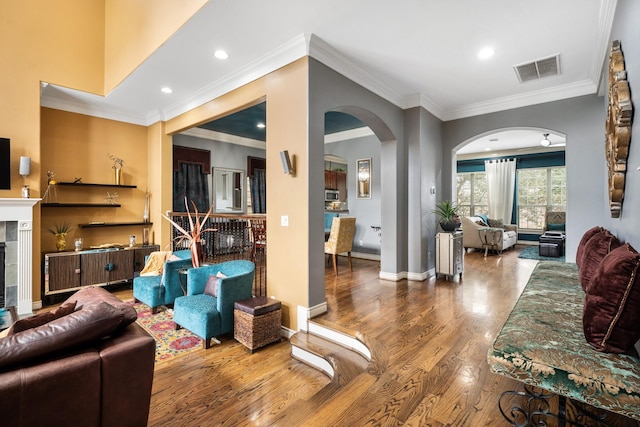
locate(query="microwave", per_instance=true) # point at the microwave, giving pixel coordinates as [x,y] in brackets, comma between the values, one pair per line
[331,195]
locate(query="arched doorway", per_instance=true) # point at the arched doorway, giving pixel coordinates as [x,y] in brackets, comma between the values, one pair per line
[540,180]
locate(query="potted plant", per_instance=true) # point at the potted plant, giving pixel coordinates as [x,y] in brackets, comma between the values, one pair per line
[60,231]
[447,213]
[193,236]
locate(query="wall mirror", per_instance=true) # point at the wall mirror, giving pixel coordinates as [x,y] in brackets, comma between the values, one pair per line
[228,190]
[363,177]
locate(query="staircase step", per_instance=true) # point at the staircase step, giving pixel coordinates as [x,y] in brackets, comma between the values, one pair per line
[337,361]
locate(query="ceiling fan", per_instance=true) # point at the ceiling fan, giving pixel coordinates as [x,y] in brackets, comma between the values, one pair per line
[545,142]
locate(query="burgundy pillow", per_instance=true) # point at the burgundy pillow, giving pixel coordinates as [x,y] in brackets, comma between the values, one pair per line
[611,313]
[595,250]
[585,238]
[42,318]
[211,288]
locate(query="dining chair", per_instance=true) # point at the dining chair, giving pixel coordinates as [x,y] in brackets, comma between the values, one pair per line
[343,229]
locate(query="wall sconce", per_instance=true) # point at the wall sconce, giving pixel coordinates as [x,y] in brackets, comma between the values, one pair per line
[288,163]
[25,170]
[363,166]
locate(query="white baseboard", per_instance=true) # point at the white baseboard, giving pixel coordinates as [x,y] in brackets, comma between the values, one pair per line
[313,360]
[345,340]
[306,313]
[362,255]
[394,277]
[419,277]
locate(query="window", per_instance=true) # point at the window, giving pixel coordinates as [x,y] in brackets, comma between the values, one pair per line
[472,193]
[540,190]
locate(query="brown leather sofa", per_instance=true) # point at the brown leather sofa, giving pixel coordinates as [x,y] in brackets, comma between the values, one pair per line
[92,367]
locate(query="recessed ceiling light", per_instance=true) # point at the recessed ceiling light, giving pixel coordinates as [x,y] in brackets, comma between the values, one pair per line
[486,52]
[487,149]
[221,54]
[166,90]
[261,125]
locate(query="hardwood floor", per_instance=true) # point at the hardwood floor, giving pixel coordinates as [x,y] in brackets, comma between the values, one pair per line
[431,339]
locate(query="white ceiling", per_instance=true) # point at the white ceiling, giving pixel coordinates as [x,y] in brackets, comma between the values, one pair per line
[411,52]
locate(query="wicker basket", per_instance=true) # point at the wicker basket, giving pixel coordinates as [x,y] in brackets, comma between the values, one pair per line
[256,331]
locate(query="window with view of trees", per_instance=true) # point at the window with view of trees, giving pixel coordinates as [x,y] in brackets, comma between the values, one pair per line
[540,190]
[472,196]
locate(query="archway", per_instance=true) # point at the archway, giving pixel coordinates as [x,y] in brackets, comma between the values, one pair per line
[374,219]
[539,153]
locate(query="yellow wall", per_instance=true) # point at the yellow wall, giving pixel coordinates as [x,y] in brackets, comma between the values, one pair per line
[160,172]
[77,146]
[63,42]
[135,29]
[286,93]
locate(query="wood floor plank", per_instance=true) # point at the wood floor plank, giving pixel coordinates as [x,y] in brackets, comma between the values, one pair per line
[431,339]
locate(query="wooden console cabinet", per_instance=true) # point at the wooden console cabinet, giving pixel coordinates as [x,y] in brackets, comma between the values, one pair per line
[69,271]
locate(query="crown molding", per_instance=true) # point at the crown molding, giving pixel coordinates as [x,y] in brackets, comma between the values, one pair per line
[326,54]
[556,93]
[348,134]
[605,24]
[91,109]
[422,100]
[224,137]
[277,58]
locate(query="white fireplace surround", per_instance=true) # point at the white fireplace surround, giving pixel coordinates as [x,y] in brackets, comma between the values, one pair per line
[21,210]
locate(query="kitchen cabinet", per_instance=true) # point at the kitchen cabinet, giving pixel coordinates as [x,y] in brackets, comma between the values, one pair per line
[336,180]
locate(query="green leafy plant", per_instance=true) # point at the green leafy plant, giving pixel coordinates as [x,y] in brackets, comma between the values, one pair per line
[194,235]
[63,228]
[447,212]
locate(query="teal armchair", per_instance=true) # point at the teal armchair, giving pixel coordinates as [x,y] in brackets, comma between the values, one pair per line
[208,316]
[156,291]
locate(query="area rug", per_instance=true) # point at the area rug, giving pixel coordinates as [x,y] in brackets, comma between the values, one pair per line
[170,343]
[531,252]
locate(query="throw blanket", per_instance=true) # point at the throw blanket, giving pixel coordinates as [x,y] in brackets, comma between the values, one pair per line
[155,263]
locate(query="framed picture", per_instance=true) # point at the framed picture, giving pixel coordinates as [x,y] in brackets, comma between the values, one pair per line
[363,178]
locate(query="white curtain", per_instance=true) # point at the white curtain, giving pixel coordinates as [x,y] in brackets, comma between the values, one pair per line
[501,180]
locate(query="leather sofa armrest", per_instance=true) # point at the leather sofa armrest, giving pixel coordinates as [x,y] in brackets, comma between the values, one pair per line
[127,377]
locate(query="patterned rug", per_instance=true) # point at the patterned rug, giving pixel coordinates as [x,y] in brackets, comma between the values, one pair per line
[531,252]
[169,342]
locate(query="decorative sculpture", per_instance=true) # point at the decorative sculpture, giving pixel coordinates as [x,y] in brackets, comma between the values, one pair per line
[618,128]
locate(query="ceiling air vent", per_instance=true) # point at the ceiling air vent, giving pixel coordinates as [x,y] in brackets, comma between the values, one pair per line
[538,69]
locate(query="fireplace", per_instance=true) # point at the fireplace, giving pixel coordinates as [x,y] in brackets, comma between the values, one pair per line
[17,218]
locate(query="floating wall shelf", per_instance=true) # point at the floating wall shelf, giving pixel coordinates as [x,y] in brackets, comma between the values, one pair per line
[111,224]
[82,184]
[79,205]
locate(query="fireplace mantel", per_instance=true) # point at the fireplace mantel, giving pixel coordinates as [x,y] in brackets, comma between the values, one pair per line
[21,210]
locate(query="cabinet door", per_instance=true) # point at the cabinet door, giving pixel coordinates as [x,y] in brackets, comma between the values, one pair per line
[120,266]
[330,180]
[105,267]
[138,257]
[61,272]
[341,185]
[93,268]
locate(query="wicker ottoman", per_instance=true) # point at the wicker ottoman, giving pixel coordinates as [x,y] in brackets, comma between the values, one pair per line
[257,322]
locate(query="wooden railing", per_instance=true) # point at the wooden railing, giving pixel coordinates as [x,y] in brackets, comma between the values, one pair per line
[231,239]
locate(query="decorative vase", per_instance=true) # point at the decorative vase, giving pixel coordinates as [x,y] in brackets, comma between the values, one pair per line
[61,241]
[145,214]
[118,175]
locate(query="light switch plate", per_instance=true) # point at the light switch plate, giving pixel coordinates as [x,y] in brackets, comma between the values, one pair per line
[284,221]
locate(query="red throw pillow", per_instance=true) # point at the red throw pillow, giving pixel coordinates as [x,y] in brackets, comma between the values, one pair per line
[594,252]
[611,312]
[585,238]
[42,318]
[211,288]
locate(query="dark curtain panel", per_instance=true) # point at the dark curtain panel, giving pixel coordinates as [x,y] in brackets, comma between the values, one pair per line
[258,191]
[190,181]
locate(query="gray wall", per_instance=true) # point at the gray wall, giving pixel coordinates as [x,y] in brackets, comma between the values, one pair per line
[367,211]
[328,91]
[626,29]
[581,119]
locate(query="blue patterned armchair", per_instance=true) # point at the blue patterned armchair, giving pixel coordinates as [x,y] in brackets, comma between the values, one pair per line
[208,316]
[163,289]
